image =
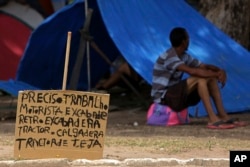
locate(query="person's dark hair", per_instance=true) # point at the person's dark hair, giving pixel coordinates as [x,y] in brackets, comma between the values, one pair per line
[177,35]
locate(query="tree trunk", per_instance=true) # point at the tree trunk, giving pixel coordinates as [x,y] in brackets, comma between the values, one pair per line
[231,16]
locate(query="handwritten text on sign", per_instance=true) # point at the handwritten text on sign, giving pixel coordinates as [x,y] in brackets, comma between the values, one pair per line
[64,122]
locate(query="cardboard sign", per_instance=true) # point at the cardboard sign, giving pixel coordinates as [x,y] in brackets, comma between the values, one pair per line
[60,124]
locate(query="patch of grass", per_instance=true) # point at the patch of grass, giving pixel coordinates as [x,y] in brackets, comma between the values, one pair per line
[178,144]
[163,144]
[6,140]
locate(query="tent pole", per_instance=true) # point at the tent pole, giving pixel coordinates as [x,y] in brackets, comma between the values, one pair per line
[87,49]
[75,75]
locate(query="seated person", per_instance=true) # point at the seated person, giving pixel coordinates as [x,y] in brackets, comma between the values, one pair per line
[170,89]
[115,78]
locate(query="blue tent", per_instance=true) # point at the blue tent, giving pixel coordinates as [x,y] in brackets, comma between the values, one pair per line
[43,61]
[139,31]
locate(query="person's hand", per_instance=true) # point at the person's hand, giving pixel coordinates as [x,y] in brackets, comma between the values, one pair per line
[222,77]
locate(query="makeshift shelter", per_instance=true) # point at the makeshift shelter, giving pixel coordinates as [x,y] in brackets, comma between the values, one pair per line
[139,30]
[45,52]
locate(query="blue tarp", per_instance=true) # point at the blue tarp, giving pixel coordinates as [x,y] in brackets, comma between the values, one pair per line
[139,29]
[43,62]
[13,87]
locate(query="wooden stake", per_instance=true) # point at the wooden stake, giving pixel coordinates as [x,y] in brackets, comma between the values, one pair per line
[65,74]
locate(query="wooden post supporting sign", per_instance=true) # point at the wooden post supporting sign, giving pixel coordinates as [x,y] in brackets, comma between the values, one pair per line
[60,123]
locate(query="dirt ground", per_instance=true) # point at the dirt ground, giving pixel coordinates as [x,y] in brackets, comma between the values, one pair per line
[125,139]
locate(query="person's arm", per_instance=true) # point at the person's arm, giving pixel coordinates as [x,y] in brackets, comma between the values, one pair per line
[199,72]
[222,74]
[210,67]
[205,71]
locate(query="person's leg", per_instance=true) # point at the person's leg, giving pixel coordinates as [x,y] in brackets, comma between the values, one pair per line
[189,92]
[201,84]
[216,96]
[116,76]
[209,88]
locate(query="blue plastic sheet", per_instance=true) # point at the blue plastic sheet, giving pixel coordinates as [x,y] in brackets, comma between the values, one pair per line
[42,64]
[13,87]
[140,30]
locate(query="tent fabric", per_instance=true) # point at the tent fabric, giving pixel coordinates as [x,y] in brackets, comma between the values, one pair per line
[14,36]
[45,51]
[13,87]
[16,24]
[140,30]
[24,13]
